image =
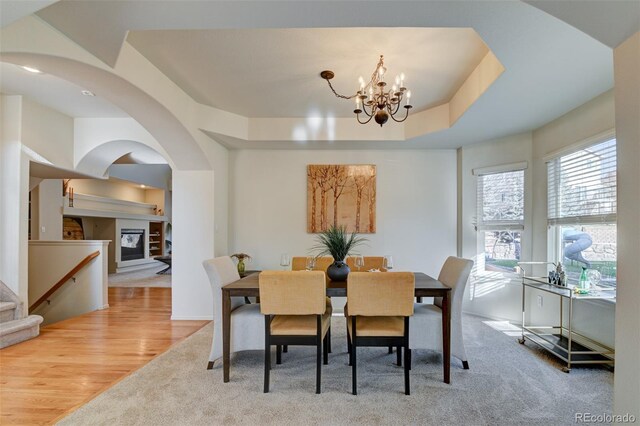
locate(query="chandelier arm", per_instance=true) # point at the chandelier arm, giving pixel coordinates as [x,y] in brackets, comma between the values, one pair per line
[364,109]
[405,117]
[337,94]
[363,122]
[389,107]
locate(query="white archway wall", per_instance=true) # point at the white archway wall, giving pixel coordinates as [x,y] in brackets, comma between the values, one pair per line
[627,101]
[90,133]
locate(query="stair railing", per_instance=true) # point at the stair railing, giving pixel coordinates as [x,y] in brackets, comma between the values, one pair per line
[84,262]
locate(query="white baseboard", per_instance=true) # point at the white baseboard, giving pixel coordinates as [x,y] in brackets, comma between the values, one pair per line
[195,318]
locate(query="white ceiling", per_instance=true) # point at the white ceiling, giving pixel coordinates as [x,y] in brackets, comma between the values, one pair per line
[275,72]
[550,66]
[54,93]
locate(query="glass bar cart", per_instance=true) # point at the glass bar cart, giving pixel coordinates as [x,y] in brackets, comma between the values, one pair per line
[562,340]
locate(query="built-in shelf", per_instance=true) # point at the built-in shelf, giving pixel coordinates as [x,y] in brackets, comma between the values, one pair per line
[73,211]
[96,206]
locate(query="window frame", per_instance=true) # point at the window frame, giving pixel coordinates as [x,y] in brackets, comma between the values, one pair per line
[496,226]
[554,225]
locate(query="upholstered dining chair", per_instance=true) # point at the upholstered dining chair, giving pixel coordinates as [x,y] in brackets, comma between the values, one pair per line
[379,309]
[370,262]
[299,263]
[246,320]
[295,313]
[426,326]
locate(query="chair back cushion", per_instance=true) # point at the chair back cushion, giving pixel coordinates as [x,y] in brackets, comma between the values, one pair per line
[299,263]
[454,273]
[380,293]
[221,271]
[292,292]
[370,262]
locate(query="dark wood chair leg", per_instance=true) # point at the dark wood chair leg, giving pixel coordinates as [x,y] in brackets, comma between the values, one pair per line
[209,365]
[407,358]
[329,339]
[285,348]
[267,352]
[325,352]
[465,365]
[399,356]
[318,352]
[354,347]
[407,363]
[278,354]
[390,350]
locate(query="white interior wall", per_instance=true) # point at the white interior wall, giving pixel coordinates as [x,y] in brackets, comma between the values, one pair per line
[108,189]
[493,295]
[49,206]
[627,105]
[50,261]
[193,242]
[594,319]
[416,205]
[12,249]
[48,132]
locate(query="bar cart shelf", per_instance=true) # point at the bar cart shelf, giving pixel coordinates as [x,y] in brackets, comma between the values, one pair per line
[562,340]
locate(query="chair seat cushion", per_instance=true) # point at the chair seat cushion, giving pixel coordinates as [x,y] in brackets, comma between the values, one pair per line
[298,325]
[378,326]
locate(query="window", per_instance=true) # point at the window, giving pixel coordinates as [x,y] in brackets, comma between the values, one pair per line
[582,210]
[500,219]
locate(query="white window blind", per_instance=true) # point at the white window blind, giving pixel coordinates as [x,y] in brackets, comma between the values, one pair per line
[582,186]
[501,200]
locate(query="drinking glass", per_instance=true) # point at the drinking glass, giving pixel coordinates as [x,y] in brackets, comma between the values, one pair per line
[311,263]
[388,262]
[359,262]
[285,261]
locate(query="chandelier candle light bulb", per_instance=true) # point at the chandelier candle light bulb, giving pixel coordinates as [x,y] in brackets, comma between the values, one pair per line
[380,104]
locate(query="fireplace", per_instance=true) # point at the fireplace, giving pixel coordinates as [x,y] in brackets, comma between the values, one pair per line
[131,244]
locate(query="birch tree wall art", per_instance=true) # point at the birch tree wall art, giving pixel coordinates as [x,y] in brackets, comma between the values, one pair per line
[341,195]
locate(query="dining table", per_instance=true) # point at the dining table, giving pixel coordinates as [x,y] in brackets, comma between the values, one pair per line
[425,286]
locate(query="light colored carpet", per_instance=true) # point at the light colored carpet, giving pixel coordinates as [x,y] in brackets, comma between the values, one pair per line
[507,384]
[147,277]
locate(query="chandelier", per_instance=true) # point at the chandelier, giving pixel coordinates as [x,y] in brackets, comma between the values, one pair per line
[372,100]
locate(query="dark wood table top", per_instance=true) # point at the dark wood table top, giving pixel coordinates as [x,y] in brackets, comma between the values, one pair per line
[426,286]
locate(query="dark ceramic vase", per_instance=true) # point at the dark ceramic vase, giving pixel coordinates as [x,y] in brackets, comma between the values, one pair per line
[338,271]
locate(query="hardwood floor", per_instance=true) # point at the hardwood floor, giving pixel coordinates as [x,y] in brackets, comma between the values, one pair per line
[72,361]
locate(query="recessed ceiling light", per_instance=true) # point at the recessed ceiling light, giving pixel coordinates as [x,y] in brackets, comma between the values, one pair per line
[31,69]
[88,93]
[142,186]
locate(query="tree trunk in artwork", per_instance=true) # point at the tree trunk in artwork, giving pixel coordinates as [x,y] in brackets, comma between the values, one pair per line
[360,182]
[323,209]
[372,209]
[313,187]
[339,179]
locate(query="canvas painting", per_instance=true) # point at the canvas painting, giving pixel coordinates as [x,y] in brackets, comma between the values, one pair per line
[341,195]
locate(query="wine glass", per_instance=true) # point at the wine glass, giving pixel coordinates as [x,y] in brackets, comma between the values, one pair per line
[311,263]
[285,261]
[388,262]
[359,262]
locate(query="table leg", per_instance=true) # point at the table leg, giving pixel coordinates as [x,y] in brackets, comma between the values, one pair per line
[226,334]
[446,336]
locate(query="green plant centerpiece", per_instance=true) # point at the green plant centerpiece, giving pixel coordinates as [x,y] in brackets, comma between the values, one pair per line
[336,242]
[241,258]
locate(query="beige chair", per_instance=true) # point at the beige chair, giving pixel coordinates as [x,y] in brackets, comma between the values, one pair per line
[295,313]
[426,325]
[379,309]
[246,320]
[370,262]
[299,263]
